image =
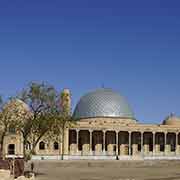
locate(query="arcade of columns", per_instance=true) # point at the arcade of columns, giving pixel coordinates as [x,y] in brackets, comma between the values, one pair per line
[119,143]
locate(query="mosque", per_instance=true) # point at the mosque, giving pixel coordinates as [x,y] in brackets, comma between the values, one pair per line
[106,128]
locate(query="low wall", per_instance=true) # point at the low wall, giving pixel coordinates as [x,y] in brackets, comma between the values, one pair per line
[6,175]
[16,166]
[4,164]
[103,157]
[73,157]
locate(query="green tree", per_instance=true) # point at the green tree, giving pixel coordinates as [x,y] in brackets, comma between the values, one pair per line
[41,98]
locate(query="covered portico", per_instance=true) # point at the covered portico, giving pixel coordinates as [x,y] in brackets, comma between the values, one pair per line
[94,142]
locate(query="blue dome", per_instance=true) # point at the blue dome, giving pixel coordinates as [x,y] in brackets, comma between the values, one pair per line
[102,103]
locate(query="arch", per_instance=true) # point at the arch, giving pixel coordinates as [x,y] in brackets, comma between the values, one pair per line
[123,137]
[72,137]
[171,140]
[110,140]
[41,145]
[148,140]
[11,149]
[97,138]
[84,138]
[56,145]
[124,143]
[136,139]
[160,140]
[178,139]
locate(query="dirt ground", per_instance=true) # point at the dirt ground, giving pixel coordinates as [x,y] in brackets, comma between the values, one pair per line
[107,170]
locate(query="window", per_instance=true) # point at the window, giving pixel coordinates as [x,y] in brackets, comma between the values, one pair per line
[28,146]
[12,130]
[56,146]
[11,149]
[41,145]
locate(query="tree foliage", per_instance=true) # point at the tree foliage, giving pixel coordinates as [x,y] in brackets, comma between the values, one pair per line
[13,115]
[41,98]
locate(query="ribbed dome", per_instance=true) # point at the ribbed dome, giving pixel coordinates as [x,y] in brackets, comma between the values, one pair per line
[172,120]
[102,103]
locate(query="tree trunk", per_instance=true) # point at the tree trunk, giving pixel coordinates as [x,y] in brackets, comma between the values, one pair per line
[36,142]
[2,146]
[62,155]
[24,147]
[33,148]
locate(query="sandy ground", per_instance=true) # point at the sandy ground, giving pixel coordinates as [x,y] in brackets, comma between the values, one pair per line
[107,170]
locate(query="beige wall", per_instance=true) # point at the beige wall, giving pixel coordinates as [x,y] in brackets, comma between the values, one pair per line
[110,127]
[15,139]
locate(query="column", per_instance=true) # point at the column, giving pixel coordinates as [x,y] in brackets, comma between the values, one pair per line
[154,141]
[90,141]
[117,143]
[66,142]
[146,144]
[129,143]
[165,143]
[142,140]
[165,138]
[77,139]
[104,141]
[176,143]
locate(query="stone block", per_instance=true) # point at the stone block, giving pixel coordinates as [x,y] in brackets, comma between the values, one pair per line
[167,149]
[124,149]
[157,149]
[5,175]
[135,149]
[146,149]
[85,149]
[110,149]
[178,150]
[73,149]
[98,149]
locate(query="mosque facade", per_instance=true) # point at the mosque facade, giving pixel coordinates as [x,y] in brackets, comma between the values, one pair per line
[106,128]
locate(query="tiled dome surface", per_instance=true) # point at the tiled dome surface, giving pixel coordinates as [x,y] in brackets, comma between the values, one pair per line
[102,103]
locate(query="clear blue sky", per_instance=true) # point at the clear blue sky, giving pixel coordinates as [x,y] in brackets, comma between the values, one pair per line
[130,46]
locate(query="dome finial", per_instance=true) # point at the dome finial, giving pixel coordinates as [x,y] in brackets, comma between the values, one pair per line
[102,86]
[172,114]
